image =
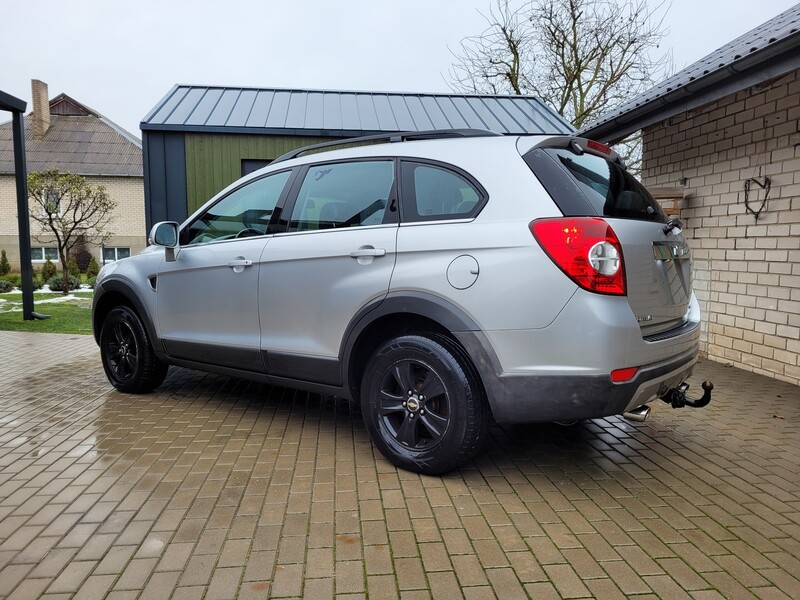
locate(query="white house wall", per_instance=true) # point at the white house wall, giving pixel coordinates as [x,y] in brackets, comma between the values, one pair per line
[128,225]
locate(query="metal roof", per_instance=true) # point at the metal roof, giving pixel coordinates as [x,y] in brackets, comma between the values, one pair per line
[345,113]
[768,51]
[83,144]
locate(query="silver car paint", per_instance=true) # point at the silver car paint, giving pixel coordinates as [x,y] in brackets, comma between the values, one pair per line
[311,287]
[535,319]
[518,286]
[209,295]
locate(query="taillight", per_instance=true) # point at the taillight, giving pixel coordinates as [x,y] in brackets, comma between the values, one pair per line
[586,249]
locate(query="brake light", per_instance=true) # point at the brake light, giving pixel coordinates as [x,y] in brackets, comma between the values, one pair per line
[586,249]
[598,146]
[623,375]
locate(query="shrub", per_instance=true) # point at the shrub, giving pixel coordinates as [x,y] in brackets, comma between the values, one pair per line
[91,281]
[72,267]
[5,267]
[49,270]
[14,279]
[93,269]
[57,283]
[5,286]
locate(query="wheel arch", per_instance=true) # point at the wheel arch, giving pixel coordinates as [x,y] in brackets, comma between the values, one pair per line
[115,293]
[398,314]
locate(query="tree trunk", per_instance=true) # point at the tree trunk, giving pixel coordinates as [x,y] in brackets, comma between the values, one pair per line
[64,272]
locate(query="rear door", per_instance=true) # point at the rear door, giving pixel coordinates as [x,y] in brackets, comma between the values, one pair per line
[337,256]
[586,179]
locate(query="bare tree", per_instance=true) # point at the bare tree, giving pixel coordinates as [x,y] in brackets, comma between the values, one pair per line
[69,208]
[581,57]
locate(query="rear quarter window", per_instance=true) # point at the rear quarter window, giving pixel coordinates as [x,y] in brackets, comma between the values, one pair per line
[433,192]
[587,185]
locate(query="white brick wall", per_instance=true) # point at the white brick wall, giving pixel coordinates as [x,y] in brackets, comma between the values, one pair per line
[746,271]
[128,224]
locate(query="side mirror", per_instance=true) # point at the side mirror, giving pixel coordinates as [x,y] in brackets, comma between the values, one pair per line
[166,234]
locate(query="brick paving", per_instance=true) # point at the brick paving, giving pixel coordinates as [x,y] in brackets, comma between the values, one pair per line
[217,488]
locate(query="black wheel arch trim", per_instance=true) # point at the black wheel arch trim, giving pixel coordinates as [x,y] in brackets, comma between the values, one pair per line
[120,286]
[415,303]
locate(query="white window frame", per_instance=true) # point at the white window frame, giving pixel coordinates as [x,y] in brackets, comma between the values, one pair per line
[116,250]
[43,253]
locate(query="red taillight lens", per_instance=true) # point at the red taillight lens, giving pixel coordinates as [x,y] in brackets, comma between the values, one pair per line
[586,249]
[623,375]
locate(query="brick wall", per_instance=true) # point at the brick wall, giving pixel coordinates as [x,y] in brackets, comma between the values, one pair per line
[746,271]
[128,224]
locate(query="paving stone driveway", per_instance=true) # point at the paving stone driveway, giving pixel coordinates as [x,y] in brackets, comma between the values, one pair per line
[219,488]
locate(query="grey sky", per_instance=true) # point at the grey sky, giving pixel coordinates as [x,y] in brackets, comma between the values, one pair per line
[120,58]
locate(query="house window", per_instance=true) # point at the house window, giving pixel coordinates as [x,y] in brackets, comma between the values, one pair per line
[39,254]
[110,254]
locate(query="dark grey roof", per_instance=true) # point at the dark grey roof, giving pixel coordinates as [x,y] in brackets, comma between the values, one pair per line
[343,113]
[766,52]
[83,144]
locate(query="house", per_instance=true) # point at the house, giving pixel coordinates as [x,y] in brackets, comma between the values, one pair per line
[199,139]
[725,132]
[65,134]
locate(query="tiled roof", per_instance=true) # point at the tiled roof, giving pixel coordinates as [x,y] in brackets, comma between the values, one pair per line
[83,144]
[345,113]
[751,58]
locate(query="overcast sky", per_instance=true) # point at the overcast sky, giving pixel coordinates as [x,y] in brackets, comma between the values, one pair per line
[121,57]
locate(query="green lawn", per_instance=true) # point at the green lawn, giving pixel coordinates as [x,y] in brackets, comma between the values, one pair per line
[71,316]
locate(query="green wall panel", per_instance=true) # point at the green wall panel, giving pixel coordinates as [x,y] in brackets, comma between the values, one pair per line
[213,160]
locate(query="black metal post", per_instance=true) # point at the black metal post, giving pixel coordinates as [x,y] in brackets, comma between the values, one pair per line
[23,219]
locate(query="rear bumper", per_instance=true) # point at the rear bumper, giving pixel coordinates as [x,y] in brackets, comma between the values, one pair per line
[528,398]
[562,371]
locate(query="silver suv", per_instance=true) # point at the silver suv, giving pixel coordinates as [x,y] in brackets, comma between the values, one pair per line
[439,279]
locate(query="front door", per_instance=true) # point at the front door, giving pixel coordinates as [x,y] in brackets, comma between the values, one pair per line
[208,307]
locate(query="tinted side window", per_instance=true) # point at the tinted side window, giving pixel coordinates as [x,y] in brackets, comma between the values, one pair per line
[435,193]
[610,189]
[350,194]
[245,212]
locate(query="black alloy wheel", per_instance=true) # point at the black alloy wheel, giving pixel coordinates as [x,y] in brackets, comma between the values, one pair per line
[122,351]
[423,404]
[414,404]
[128,358]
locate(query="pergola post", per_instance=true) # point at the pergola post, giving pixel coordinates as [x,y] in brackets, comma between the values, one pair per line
[17,108]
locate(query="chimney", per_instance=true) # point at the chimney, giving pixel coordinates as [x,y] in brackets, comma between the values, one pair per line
[41,109]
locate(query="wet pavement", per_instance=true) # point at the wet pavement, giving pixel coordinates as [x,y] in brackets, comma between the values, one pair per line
[219,488]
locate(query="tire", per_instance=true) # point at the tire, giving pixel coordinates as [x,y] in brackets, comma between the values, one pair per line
[128,358]
[442,423]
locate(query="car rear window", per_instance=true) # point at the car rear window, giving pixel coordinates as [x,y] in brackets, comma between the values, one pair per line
[606,187]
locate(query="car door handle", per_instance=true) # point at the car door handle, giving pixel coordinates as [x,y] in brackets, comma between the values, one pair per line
[240,262]
[365,251]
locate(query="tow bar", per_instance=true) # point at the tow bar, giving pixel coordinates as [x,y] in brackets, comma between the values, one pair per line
[677,396]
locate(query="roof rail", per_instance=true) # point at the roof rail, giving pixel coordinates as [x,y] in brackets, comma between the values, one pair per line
[396,136]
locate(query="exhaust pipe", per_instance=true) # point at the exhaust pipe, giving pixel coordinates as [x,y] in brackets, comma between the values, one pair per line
[637,414]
